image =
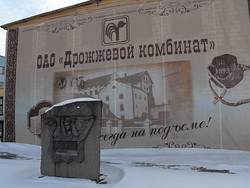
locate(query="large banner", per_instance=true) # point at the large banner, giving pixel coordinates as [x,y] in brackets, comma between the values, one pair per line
[169,73]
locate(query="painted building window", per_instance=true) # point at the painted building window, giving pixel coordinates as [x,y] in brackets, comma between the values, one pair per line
[107,98]
[121,107]
[121,96]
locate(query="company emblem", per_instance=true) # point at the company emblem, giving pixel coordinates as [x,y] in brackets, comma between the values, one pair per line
[115,30]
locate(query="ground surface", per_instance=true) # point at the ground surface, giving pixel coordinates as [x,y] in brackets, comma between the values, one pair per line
[133,168]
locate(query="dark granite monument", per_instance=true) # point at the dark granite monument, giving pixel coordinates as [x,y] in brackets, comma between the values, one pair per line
[70,134]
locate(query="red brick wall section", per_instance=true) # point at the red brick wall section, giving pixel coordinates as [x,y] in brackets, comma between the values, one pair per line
[10,87]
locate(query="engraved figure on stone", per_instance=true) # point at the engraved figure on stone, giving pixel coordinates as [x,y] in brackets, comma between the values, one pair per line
[68,135]
[68,129]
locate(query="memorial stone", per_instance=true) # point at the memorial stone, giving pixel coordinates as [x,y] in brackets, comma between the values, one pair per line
[70,138]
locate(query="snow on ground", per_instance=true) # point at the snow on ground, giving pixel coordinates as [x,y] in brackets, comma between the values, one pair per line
[133,168]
